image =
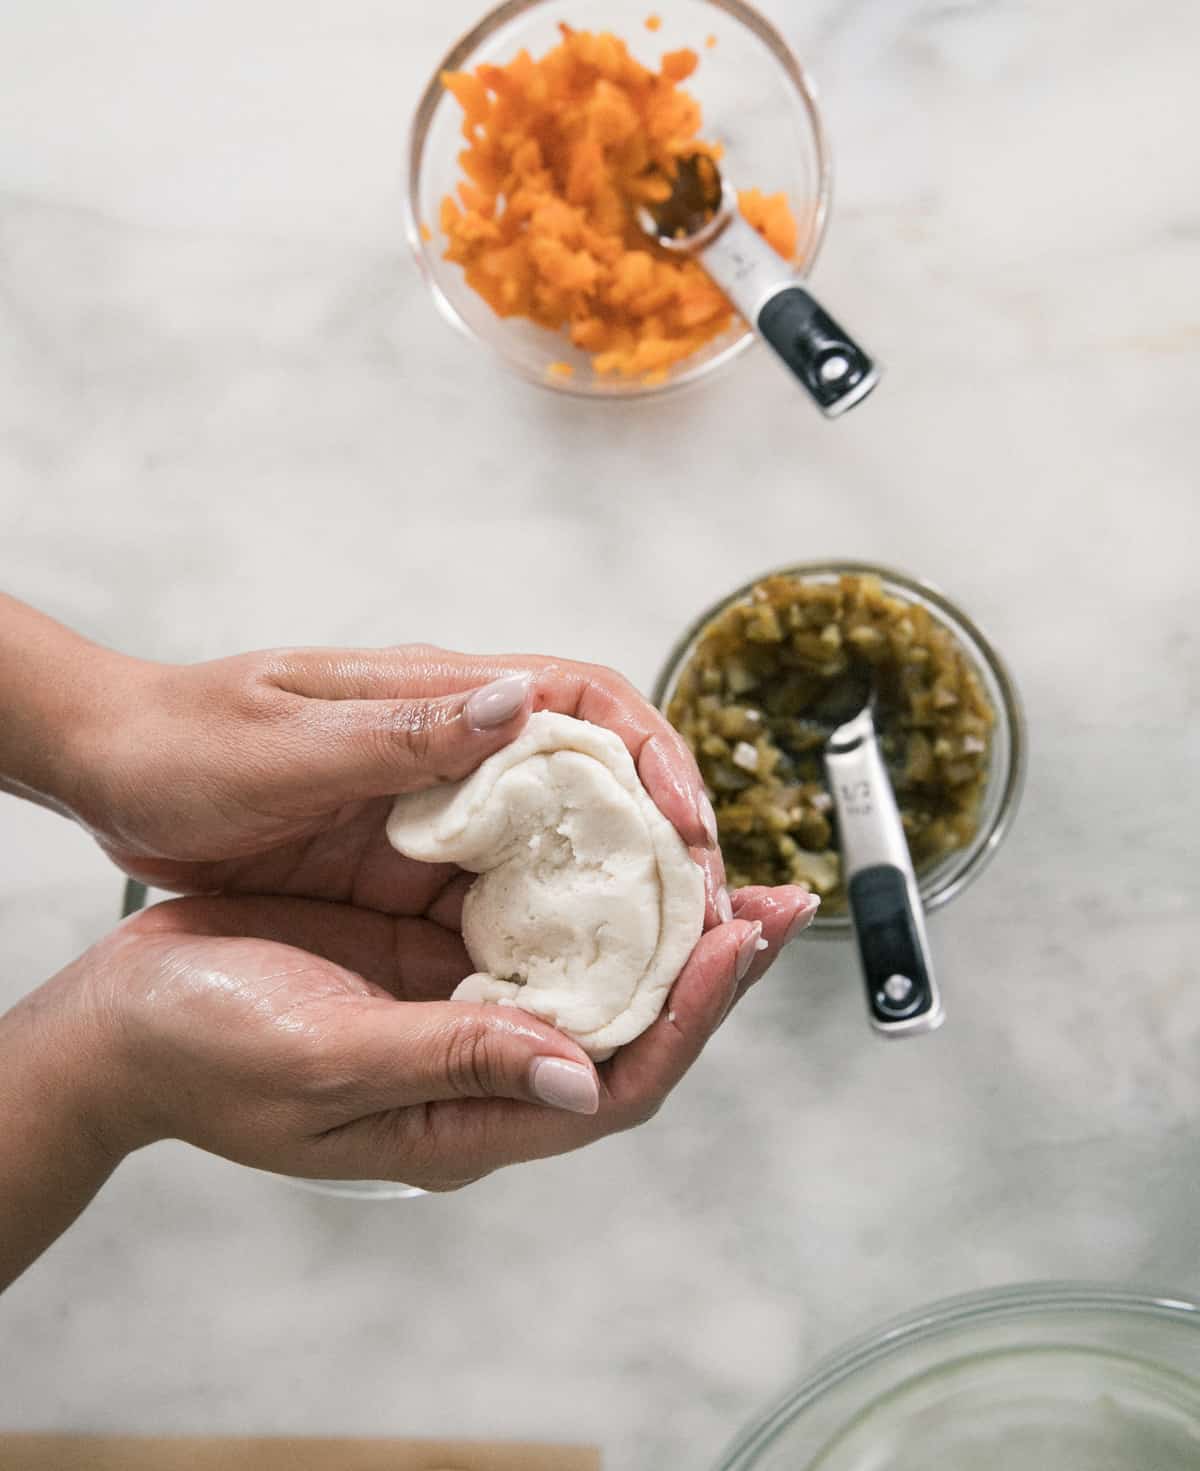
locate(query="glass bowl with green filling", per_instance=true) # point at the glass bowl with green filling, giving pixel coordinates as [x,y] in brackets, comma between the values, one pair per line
[753,686]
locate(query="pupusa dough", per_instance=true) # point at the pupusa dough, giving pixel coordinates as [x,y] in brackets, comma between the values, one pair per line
[588,903]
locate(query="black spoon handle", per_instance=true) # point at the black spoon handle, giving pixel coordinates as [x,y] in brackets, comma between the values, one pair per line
[766,291]
[895,964]
[826,359]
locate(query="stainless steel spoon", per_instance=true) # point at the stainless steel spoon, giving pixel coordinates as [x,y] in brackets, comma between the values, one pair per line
[877,870]
[701,218]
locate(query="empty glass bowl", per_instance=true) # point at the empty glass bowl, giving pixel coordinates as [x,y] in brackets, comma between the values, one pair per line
[1043,1378]
[756,99]
[941,881]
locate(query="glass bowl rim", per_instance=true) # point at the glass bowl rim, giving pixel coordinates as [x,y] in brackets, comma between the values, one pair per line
[923,1324]
[434,93]
[1012,711]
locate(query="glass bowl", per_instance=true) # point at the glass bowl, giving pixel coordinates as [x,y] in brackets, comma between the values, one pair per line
[756,100]
[1054,1377]
[137,896]
[938,882]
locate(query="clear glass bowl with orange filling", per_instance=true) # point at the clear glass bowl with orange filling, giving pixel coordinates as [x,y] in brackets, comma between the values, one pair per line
[748,686]
[707,73]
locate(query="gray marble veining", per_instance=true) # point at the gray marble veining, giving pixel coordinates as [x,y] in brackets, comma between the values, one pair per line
[229,417]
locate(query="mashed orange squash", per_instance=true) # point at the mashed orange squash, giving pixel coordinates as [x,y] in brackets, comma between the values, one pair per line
[559,153]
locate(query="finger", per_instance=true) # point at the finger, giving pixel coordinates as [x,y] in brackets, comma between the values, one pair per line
[643,1073]
[717,906]
[412,959]
[373,874]
[784,913]
[357,749]
[668,772]
[665,765]
[447,908]
[353,863]
[587,691]
[405,1054]
[401,672]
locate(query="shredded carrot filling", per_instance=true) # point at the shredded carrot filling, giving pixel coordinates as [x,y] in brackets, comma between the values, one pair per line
[559,153]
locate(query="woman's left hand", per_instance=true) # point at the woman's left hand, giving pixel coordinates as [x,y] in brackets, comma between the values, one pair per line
[273,773]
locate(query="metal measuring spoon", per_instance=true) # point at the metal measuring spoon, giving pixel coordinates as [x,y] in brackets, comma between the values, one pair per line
[701,218]
[877,870]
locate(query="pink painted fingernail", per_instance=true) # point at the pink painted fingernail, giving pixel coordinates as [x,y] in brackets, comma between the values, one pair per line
[496,703]
[708,819]
[723,905]
[747,952]
[562,1084]
[803,918]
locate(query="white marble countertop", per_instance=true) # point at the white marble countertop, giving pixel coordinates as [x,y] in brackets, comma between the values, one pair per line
[230,417]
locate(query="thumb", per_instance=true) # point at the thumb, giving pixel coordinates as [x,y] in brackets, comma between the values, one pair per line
[426,1052]
[357,749]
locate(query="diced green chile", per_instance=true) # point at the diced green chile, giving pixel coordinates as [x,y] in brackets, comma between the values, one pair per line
[765,674]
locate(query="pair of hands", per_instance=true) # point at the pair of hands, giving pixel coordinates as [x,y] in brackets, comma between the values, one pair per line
[296,1018]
